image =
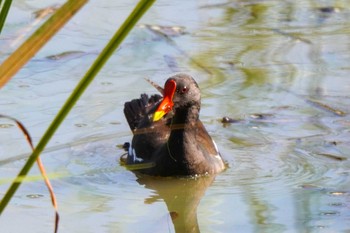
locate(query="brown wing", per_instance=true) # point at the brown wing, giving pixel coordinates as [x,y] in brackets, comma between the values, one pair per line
[204,139]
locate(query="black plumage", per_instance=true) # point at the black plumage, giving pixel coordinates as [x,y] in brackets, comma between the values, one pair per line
[177,143]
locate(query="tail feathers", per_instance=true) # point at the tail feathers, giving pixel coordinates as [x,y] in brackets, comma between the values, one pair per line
[137,110]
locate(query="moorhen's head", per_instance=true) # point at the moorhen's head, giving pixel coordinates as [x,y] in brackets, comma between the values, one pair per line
[181,92]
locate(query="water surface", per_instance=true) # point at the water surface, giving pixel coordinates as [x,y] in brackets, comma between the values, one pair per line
[279,69]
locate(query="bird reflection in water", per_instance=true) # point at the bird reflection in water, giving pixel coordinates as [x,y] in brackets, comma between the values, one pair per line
[182,197]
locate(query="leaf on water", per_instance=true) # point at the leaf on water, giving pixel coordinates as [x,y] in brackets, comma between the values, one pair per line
[261,116]
[34,196]
[332,156]
[168,31]
[5,126]
[311,187]
[42,13]
[326,107]
[66,55]
[338,193]
[328,9]
[330,213]
[291,35]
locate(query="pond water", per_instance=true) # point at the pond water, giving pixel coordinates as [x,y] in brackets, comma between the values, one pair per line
[279,70]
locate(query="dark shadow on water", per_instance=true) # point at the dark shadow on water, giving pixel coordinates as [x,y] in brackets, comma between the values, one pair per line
[181,195]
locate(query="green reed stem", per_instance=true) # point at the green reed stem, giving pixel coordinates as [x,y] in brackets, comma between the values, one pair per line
[4,11]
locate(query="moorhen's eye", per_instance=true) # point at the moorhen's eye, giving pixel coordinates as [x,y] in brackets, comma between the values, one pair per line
[183,90]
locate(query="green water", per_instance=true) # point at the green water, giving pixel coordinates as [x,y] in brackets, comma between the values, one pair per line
[280,69]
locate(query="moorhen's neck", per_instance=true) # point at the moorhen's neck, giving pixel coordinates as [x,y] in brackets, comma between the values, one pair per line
[183,126]
[186,115]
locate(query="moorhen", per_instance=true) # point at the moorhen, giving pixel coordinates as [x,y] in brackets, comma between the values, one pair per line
[169,138]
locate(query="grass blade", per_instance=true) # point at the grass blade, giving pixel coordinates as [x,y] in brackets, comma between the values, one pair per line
[41,167]
[119,36]
[3,13]
[28,49]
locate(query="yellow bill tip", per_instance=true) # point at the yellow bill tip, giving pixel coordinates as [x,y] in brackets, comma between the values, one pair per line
[158,115]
